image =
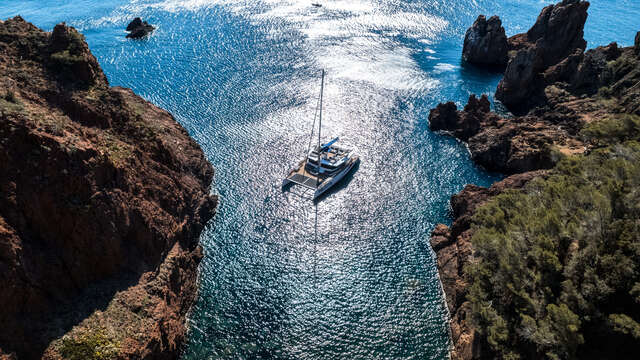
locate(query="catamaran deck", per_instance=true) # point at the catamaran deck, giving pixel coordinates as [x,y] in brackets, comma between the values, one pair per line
[305,178]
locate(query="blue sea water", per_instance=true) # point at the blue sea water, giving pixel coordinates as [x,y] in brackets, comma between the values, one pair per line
[353,276]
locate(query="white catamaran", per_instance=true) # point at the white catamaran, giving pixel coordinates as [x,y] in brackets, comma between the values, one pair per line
[325,165]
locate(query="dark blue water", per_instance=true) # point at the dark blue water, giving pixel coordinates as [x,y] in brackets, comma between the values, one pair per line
[352,277]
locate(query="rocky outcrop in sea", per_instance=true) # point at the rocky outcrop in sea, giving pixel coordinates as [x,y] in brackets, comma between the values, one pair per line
[507,145]
[485,43]
[557,33]
[138,29]
[103,199]
[579,88]
[554,87]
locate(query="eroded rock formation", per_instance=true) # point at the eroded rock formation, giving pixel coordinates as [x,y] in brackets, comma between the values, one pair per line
[507,145]
[578,88]
[461,124]
[103,198]
[485,43]
[557,33]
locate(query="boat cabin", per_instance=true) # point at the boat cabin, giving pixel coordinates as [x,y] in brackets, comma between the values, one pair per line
[332,158]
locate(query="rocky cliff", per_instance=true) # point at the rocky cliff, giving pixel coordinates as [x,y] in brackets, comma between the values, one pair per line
[577,89]
[103,200]
[557,33]
[453,249]
[555,89]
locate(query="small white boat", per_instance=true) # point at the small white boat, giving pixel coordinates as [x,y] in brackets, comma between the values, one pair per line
[324,165]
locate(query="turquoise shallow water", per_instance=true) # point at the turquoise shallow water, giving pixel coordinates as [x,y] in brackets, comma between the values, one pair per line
[352,277]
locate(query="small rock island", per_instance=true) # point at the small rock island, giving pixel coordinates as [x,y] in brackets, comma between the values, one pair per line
[138,29]
[485,43]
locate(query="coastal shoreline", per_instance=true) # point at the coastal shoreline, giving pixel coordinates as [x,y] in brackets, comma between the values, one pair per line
[566,89]
[104,199]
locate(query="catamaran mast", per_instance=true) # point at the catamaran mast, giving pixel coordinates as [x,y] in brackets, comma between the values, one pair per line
[319,130]
[321,92]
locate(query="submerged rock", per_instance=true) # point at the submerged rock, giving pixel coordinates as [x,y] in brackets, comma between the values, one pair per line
[138,29]
[485,43]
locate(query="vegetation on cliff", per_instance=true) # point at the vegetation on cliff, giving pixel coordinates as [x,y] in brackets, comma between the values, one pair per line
[557,270]
[548,268]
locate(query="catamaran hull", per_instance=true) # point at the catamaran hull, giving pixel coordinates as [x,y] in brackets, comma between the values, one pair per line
[326,184]
[323,166]
[329,184]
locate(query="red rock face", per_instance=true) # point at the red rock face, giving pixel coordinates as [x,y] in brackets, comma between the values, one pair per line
[103,200]
[507,145]
[567,98]
[559,30]
[485,43]
[557,33]
[462,124]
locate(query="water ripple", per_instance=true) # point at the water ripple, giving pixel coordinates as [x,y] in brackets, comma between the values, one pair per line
[352,277]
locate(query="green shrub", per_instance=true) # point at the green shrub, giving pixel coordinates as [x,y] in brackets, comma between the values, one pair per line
[11,107]
[88,346]
[10,96]
[65,58]
[605,92]
[617,128]
[76,42]
[558,263]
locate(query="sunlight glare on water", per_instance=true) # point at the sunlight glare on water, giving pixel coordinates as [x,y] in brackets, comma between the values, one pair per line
[352,277]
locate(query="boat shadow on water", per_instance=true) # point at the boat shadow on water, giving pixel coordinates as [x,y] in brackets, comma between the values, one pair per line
[343,183]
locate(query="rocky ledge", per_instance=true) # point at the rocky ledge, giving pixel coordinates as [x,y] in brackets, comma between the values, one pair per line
[507,145]
[103,199]
[555,88]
